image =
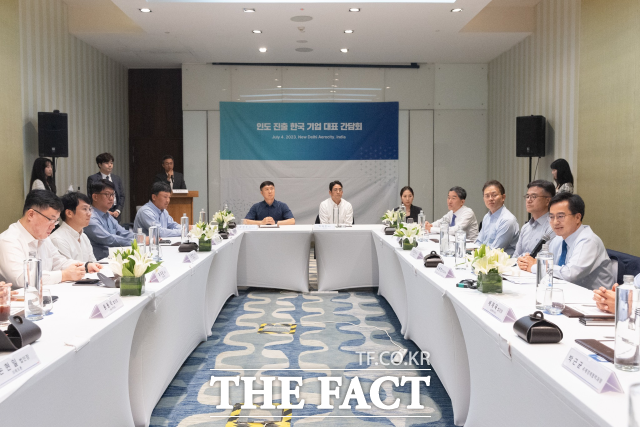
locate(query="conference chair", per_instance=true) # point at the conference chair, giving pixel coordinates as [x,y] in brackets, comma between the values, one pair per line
[627,264]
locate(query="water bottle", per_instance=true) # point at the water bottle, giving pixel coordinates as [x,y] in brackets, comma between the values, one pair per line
[33,288]
[421,221]
[627,345]
[444,239]
[403,213]
[336,216]
[203,216]
[544,275]
[141,241]
[184,225]
[154,243]
[461,249]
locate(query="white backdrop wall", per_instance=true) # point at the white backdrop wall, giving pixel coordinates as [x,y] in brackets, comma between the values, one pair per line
[442,131]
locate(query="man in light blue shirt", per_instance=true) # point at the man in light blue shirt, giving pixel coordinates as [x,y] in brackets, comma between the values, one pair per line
[103,230]
[499,227]
[155,212]
[539,193]
[579,255]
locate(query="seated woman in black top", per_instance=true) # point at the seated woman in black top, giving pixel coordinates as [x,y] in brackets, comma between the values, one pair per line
[406,194]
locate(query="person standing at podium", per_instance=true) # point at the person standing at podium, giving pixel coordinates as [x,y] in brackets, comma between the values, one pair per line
[105,164]
[174,179]
[155,212]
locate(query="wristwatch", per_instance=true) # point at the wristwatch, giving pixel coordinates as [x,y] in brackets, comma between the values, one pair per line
[86,267]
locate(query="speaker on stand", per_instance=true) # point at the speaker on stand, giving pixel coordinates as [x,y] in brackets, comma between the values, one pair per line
[53,136]
[531,137]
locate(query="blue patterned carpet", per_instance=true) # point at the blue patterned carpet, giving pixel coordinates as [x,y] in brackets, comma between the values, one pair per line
[239,342]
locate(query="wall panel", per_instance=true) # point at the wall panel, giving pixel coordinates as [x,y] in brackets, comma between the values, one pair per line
[421,158]
[195,159]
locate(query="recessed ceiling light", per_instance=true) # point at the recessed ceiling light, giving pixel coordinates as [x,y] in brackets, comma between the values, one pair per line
[348,31]
[278,86]
[456,10]
[248,10]
[344,50]
[257,31]
[263,49]
[145,10]
[388,87]
[354,9]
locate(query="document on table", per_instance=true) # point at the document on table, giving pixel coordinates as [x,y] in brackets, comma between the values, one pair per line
[522,277]
[589,310]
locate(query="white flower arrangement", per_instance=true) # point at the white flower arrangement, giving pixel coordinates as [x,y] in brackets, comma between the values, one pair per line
[132,262]
[408,232]
[485,259]
[203,230]
[222,218]
[394,218]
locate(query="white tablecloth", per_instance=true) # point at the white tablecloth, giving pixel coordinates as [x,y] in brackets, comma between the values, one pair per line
[276,258]
[346,258]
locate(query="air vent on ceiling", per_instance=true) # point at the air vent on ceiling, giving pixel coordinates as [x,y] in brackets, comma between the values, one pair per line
[304,49]
[301,41]
[301,18]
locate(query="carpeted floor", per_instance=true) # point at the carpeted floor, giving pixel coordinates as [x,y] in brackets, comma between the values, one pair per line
[281,333]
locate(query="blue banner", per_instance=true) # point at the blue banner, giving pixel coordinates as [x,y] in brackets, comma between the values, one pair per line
[305,131]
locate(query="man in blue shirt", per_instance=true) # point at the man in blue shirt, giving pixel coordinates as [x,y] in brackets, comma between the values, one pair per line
[499,226]
[269,211]
[103,230]
[155,212]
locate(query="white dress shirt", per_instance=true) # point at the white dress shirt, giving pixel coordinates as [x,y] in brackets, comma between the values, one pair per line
[16,243]
[587,263]
[345,212]
[37,185]
[465,220]
[115,197]
[531,233]
[500,230]
[71,244]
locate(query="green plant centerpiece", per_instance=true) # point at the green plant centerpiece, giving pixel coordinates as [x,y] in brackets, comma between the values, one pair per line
[131,265]
[408,234]
[204,233]
[393,218]
[222,218]
[489,264]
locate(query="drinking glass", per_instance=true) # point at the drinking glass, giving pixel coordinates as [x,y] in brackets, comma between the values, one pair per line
[47,301]
[553,301]
[5,303]
[634,405]
[409,220]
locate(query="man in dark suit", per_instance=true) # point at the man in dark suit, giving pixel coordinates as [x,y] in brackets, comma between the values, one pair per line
[174,179]
[105,164]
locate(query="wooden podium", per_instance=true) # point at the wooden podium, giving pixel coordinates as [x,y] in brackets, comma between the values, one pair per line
[181,203]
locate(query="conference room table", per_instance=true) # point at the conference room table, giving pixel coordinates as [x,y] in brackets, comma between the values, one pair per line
[112,371]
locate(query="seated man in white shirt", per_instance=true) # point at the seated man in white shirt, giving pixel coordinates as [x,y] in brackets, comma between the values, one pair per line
[500,228]
[69,237]
[539,194]
[345,210]
[459,217]
[579,255]
[31,234]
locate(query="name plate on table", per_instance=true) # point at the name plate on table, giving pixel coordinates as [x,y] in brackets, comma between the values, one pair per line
[595,374]
[191,257]
[499,310]
[324,226]
[107,307]
[17,363]
[416,253]
[159,274]
[444,271]
[269,226]
[247,227]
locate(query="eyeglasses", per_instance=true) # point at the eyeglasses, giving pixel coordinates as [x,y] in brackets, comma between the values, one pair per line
[337,190]
[559,217]
[108,195]
[533,197]
[52,221]
[468,283]
[491,196]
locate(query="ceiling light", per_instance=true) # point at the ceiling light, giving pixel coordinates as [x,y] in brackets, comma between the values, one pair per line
[348,31]
[248,10]
[278,86]
[344,50]
[257,31]
[354,9]
[145,10]
[456,10]
[263,49]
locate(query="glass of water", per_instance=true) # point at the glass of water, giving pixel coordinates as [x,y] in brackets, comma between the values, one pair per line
[47,301]
[553,301]
[409,220]
[634,405]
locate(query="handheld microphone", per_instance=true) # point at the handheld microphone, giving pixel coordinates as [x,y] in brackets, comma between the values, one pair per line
[542,241]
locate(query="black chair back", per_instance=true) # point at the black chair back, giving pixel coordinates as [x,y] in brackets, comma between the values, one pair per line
[627,264]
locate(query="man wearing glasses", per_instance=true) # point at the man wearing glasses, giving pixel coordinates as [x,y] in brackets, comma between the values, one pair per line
[103,230]
[31,235]
[579,255]
[539,193]
[499,226]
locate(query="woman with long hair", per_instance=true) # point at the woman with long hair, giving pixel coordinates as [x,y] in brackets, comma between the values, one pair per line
[42,175]
[562,176]
[406,196]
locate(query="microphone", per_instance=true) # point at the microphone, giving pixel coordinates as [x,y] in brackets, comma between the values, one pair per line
[542,241]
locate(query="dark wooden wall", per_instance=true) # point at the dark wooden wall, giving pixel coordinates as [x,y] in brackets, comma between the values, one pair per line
[155,127]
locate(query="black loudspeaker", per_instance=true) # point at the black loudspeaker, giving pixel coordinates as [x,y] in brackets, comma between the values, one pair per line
[531,134]
[53,136]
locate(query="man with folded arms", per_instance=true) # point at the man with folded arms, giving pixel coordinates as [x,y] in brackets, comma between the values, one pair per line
[154,212]
[31,235]
[499,226]
[345,210]
[539,193]
[69,237]
[579,255]
[269,211]
[103,230]
[459,217]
